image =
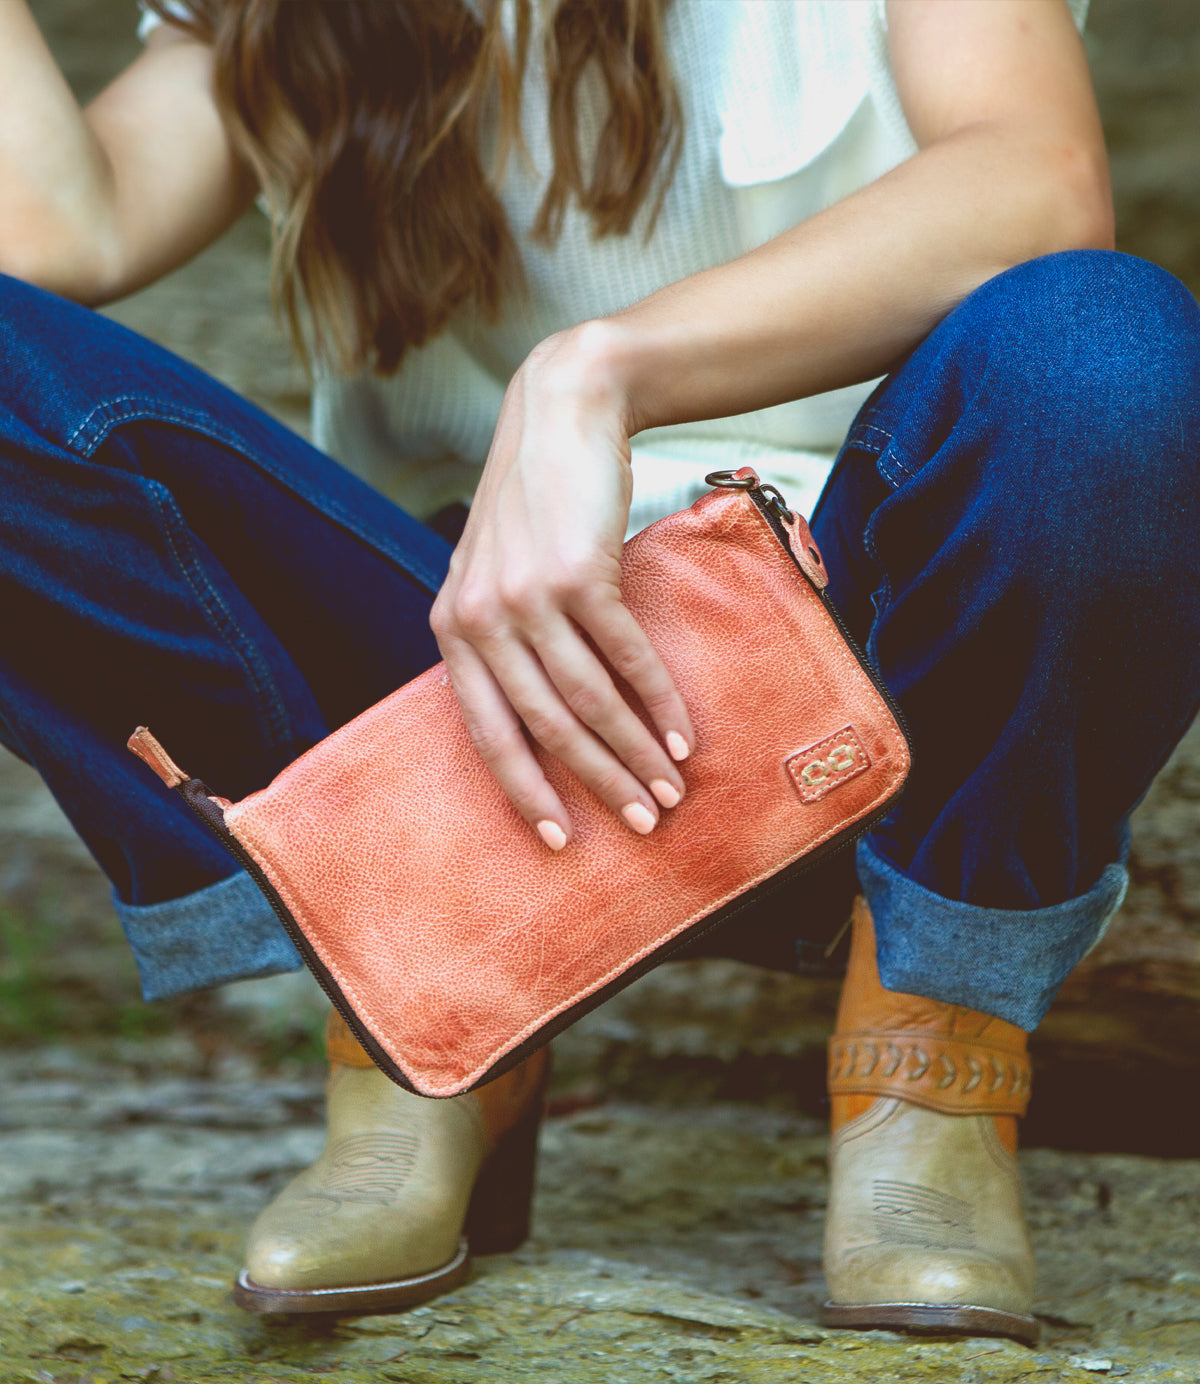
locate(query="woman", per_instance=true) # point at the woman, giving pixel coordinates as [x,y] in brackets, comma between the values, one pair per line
[720,213]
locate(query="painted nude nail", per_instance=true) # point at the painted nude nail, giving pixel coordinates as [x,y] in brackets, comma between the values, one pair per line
[666,793]
[640,818]
[552,834]
[677,746]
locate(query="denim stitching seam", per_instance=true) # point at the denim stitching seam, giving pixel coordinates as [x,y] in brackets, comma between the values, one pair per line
[110,416]
[879,442]
[880,597]
[867,436]
[893,470]
[278,722]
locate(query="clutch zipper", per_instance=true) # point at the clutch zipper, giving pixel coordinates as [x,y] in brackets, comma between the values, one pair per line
[207,808]
[773,508]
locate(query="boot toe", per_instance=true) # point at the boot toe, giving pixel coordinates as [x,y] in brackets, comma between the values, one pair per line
[321,1253]
[932,1279]
[300,1249]
[376,1222]
[972,1283]
[284,1265]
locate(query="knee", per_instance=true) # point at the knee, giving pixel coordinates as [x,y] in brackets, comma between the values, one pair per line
[1098,356]
[1091,331]
[1084,371]
[22,305]
[1052,422]
[37,330]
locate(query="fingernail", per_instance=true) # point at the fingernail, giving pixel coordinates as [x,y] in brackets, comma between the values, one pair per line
[640,818]
[552,834]
[677,746]
[665,792]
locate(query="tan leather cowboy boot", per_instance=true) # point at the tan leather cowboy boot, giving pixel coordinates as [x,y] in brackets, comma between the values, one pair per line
[925,1228]
[404,1188]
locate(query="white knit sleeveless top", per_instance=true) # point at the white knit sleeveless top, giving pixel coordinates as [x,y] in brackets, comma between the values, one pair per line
[788,106]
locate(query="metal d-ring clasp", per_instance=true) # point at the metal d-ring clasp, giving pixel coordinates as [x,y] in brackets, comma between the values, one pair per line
[730,480]
[773,501]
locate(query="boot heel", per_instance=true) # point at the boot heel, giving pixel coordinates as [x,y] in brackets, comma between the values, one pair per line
[499,1212]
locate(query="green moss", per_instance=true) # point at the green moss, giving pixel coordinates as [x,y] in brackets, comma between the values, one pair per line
[29,1005]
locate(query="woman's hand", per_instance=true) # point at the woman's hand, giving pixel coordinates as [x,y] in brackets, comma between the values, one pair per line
[534,590]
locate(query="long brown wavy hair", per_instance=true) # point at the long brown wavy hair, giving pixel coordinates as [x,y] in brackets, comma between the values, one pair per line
[364,122]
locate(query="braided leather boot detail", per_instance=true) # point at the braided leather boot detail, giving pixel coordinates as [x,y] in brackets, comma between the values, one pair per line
[925,1228]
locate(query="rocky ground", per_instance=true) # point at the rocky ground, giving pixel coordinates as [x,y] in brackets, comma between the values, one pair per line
[671,1244]
[678,1223]
[677,1234]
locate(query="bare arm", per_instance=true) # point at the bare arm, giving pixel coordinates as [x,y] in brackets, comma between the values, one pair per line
[97,203]
[1011,165]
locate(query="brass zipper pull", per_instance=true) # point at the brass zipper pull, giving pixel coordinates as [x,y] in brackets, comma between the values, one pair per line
[789,527]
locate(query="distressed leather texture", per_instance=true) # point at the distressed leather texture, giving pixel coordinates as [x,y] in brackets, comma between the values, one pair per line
[925,1208]
[386,1198]
[924,1196]
[452,933]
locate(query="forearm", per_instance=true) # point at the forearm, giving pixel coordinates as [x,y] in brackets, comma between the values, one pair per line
[55,180]
[845,295]
[998,99]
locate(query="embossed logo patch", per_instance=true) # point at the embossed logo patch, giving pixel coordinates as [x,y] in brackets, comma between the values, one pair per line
[828,764]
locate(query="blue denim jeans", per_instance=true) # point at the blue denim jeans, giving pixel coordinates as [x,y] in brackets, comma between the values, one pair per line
[1012,531]
[170,555]
[1009,530]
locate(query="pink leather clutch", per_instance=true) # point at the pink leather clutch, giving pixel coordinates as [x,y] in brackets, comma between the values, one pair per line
[451,940]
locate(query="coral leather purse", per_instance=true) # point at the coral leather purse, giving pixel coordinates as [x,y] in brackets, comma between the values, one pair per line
[451,940]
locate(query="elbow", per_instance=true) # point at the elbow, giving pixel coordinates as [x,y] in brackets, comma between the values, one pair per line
[63,260]
[1067,202]
[1082,205]
[1057,196]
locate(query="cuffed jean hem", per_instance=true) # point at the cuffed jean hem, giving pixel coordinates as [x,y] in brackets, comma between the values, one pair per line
[1005,962]
[226,931]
